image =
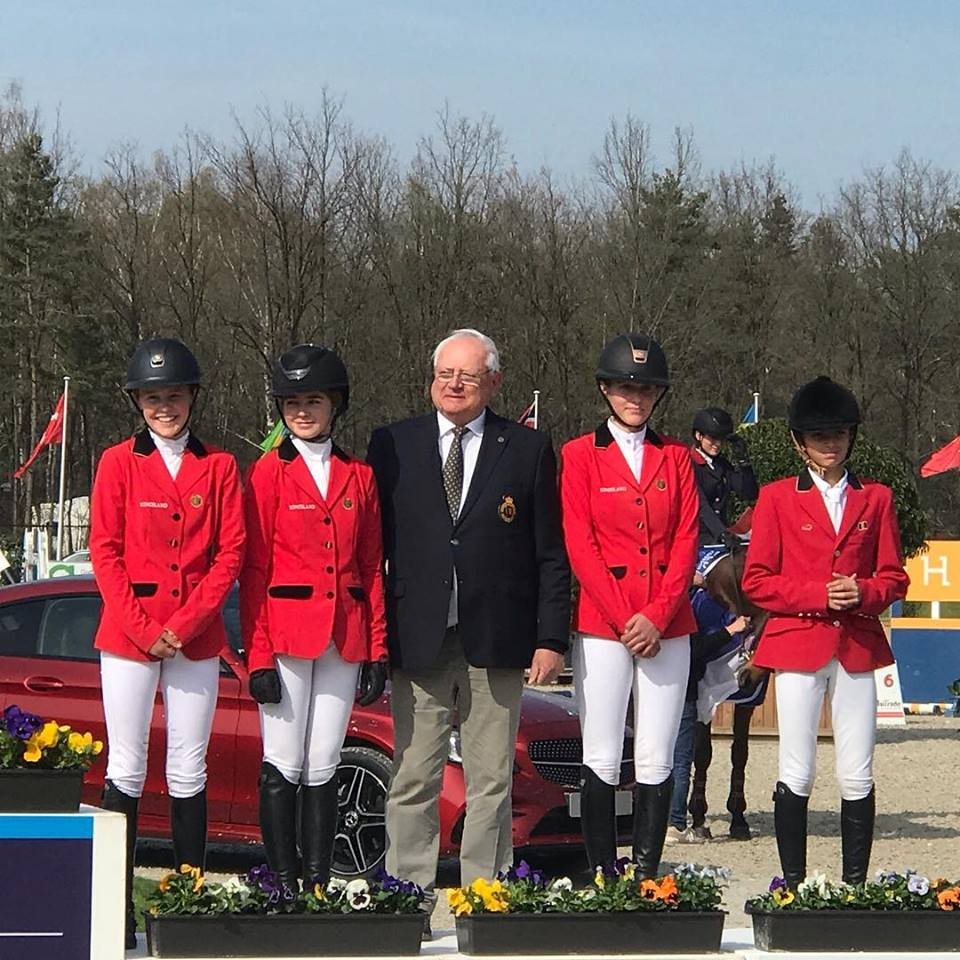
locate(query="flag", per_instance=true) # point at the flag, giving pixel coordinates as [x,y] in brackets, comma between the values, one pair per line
[274,438]
[531,415]
[53,433]
[946,458]
[753,414]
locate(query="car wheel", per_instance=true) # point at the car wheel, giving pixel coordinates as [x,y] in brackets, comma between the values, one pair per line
[362,781]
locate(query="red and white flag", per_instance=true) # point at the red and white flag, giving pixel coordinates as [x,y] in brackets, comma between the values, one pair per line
[531,416]
[53,433]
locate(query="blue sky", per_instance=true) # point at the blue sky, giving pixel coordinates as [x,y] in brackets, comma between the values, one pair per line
[823,88]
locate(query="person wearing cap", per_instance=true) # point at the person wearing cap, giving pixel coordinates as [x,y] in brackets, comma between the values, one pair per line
[478,589]
[630,523]
[825,560]
[719,477]
[166,543]
[312,614]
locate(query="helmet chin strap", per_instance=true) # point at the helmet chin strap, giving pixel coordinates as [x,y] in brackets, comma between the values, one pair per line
[808,462]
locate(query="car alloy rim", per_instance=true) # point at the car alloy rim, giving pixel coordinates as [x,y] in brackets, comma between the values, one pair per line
[361,823]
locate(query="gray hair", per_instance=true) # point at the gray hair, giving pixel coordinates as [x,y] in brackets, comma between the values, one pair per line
[493,354]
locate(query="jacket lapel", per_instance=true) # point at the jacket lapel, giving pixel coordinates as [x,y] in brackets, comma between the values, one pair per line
[854,507]
[653,457]
[340,473]
[193,466]
[812,504]
[610,455]
[154,467]
[492,445]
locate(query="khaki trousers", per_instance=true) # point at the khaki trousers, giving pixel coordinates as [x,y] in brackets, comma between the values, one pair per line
[487,701]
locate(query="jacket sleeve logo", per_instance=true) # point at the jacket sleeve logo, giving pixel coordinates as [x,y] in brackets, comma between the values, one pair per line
[507,510]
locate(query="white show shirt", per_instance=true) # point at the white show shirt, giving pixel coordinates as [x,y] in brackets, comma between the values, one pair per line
[470,442]
[317,458]
[834,498]
[171,451]
[630,444]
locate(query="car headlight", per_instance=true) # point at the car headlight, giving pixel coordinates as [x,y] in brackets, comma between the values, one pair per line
[453,751]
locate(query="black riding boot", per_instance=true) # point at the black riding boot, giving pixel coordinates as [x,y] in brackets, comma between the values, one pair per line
[651,811]
[188,826]
[790,822]
[598,819]
[278,824]
[318,830]
[119,802]
[856,833]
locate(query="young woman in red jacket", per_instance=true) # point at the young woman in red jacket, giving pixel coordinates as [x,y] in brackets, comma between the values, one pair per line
[166,542]
[312,608]
[630,509]
[825,560]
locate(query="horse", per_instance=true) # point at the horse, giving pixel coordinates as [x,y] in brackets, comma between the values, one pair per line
[722,583]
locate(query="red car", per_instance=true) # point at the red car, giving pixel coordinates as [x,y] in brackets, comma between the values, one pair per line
[48,666]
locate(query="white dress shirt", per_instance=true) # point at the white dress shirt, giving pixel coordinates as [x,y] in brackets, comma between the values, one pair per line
[834,498]
[171,451]
[470,442]
[630,444]
[317,458]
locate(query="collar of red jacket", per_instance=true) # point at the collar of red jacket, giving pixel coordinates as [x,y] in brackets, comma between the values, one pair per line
[288,452]
[143,444]
[805,481]
[602,437]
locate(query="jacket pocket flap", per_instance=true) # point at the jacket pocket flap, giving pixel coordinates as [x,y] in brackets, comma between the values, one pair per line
[290,591]
[357,592]
[144,589]
[618,573]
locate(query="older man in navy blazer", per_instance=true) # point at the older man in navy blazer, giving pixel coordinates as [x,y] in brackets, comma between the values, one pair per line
[478,588]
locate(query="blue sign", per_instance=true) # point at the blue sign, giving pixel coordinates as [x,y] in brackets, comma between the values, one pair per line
[47,886]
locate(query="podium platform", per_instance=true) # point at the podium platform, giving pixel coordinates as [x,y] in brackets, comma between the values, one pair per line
[62,896]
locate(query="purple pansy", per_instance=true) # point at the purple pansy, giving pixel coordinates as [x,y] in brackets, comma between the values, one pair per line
[19,724]
[777,883]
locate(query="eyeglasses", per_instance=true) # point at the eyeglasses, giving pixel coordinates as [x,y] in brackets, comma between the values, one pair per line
[467,379]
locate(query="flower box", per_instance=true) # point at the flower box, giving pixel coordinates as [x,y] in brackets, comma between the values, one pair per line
[559,934]
[40,791]
[882,931]
[285,935]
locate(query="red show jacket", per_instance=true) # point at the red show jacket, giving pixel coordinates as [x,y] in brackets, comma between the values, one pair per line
[165,552]
[794,552]
[313,568]
[632,545]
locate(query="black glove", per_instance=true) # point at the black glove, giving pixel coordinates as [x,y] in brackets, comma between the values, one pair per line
[731,541]
[373,678]
[265,686]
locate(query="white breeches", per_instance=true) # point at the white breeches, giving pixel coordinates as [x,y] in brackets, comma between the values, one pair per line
[189,689]
[303,733]
[853,710]
[605,673]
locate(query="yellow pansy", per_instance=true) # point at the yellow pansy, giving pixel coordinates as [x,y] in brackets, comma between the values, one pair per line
[164,885]
[97,747]
[629,871]
[32,751]
[459,902]
[783,897]
[48,735]
[318,891]
[63,728]
[195,873]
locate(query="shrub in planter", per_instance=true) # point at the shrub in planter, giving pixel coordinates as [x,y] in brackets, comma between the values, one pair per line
[520,912]
[256,915]
[895,911]
[42,763]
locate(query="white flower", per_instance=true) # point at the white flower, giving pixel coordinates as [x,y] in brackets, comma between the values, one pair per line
[234,885]
[335,885]
[357,893]
[588,893]
[561,883]
[816,883]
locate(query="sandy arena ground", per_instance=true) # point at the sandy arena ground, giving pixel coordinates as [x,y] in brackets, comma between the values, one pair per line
[918,817]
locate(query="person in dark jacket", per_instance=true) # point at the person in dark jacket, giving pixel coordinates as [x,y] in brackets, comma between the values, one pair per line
[719,476]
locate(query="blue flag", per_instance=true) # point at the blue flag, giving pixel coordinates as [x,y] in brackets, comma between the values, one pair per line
[751,415]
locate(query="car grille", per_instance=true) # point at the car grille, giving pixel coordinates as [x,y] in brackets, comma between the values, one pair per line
[559,760]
